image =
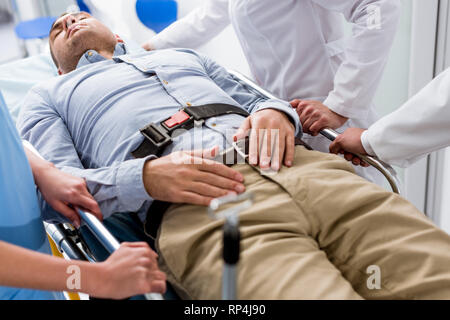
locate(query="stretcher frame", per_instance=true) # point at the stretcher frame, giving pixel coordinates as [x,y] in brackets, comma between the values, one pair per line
[66,241]
[385,169]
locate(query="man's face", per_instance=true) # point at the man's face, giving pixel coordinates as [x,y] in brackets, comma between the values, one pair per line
[74,34]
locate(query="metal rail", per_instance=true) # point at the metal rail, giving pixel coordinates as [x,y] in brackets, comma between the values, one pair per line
[386,170]
[67,245]
[108,241]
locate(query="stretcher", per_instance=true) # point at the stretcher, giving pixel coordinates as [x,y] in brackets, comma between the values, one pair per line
[67,242]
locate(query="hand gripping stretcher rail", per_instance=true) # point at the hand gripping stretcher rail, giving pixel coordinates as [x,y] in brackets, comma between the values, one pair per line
[67,241]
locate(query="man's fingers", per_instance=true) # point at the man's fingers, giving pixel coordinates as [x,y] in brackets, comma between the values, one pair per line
[254,147]
[208,190]
[204,153]
[158,286]
[219,182]
[265,148]
[220,170]
[278,145]
[289,150]
[243,130]
[194,198]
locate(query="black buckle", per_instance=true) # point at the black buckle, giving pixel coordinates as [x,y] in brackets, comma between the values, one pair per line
[156,136]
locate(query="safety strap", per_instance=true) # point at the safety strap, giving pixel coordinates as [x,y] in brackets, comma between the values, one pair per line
[159,136]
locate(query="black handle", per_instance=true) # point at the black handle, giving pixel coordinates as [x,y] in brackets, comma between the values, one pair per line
[231,243]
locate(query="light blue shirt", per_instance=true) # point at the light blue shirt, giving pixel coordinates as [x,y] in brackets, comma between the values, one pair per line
[87,122]
[20,217]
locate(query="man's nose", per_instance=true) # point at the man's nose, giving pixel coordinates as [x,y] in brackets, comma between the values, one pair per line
[70,20]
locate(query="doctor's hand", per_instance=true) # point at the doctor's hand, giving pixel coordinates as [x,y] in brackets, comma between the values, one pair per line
[191,177]
[315,116]
[348,144]
[64,192]
[148,46]
[272,139]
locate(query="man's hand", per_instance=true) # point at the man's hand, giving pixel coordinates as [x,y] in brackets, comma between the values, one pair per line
[189,177]
[349,143]
[64,192]
[315,116]
[129,271]
[272,139]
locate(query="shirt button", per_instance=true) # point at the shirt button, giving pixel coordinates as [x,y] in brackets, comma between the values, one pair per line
[165,82]
[90,53]
[189,104]
[214,125]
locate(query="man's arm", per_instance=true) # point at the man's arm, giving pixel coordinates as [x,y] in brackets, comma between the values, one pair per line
[125,186]
[195,29]
[366,53]
[118,188]
[250,100]
[131,270]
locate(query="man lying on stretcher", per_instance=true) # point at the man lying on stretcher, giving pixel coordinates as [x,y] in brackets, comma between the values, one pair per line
[315,229]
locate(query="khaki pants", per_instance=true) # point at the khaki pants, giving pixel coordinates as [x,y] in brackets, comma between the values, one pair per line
[315,231]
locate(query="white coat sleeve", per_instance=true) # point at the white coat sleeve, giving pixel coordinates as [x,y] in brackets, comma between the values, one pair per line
[419,127]
[366,53]
[195,29]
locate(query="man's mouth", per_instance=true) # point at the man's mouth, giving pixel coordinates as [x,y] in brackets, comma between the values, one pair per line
[74,28]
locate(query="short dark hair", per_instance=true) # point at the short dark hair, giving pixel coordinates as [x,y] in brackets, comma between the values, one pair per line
[50,44]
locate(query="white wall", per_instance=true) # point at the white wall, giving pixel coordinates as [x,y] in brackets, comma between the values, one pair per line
[28,9]
[225,48]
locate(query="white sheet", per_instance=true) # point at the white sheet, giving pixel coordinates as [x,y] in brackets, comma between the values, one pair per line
[17,77]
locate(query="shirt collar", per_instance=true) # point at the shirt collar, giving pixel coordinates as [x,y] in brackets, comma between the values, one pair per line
[92,56]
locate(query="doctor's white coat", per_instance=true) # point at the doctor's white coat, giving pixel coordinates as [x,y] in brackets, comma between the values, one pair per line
[419,127]
[298,49]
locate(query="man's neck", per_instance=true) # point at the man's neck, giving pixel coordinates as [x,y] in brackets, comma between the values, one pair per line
[108,54]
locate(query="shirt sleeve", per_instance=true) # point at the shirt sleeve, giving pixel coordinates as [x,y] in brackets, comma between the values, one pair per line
[195,29]
[251,100]
[417,128]
[366,144]
[374,27]
[117,188]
